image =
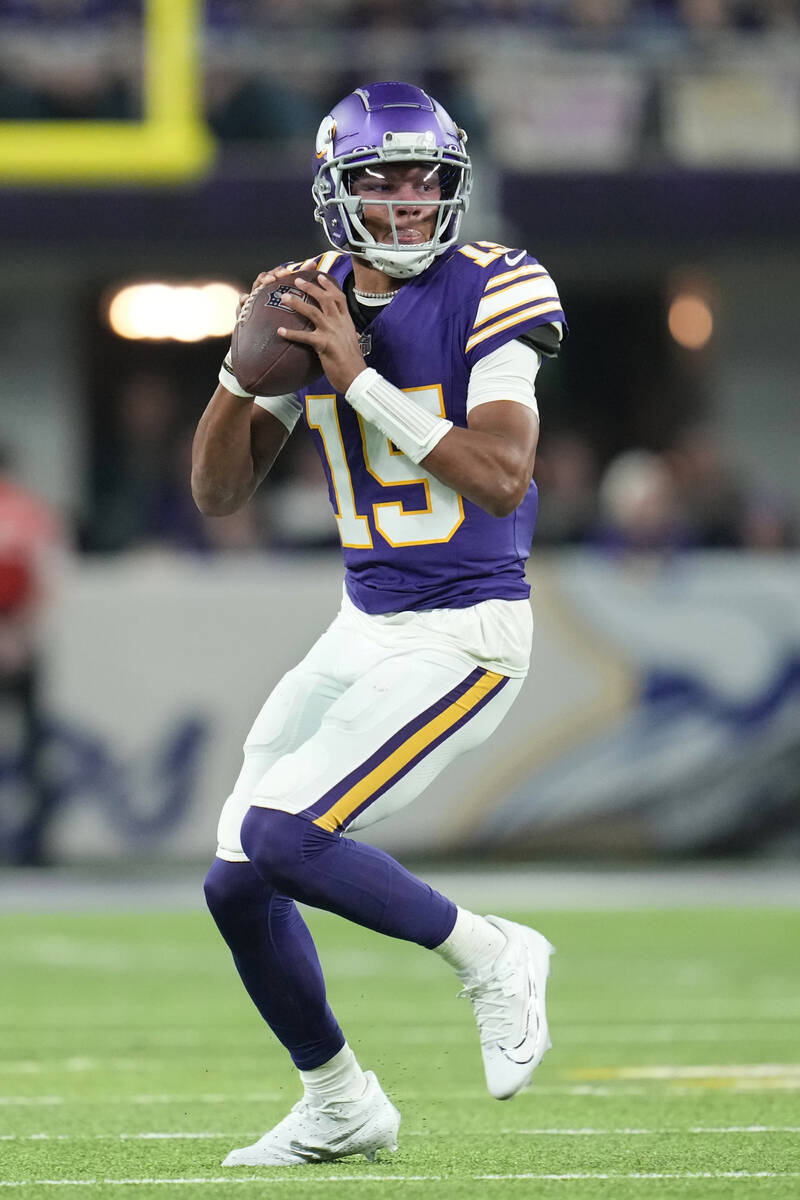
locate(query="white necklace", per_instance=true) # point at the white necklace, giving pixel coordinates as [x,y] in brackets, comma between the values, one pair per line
[369,296]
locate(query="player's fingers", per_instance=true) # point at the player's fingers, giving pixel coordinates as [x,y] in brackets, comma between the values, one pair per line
[309,337]
[321,288]
[312,288]
[311,311]
[322,283]
[269,276]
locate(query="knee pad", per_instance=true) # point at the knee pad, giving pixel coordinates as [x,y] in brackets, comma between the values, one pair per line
[228,886]
[274,843]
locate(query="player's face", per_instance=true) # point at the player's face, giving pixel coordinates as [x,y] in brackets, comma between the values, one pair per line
[412,189]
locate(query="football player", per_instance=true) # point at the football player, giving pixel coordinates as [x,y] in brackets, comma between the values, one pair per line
[426,423]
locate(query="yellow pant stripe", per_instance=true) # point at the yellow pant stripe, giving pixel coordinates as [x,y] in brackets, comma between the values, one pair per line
[399,758]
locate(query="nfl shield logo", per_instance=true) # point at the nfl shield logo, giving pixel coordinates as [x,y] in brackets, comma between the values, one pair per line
[365,343]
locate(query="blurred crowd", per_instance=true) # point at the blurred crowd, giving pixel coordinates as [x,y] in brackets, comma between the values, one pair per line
[272,66]
[689,494]
[580,15]
[573,16]
[140,497]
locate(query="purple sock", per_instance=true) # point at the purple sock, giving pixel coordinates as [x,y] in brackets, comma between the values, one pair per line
[349,878]
[276,959]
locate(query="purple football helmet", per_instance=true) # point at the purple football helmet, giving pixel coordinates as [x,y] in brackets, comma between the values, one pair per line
[389,123]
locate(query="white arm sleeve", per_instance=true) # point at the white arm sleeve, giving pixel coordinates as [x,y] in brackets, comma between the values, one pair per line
[506,374]
[411,427]
[286,408]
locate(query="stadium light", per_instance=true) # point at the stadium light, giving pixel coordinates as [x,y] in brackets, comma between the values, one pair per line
[181,312]
[690,320]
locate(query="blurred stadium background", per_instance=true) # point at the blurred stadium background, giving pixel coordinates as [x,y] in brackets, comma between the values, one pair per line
[649,154]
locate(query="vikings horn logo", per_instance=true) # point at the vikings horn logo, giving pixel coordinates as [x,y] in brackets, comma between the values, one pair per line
[325,135]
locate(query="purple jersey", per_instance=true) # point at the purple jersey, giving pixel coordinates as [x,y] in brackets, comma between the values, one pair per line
[409,541]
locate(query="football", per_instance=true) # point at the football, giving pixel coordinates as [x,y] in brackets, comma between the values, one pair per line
[264,363]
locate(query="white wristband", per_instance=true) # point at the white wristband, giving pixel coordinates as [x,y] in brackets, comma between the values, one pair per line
[229,380]
[412,428]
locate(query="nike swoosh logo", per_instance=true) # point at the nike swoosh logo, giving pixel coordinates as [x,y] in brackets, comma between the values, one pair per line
[527,1044]
[512,262]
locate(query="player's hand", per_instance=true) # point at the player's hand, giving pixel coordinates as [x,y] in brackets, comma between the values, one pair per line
[334,335]
[260,280]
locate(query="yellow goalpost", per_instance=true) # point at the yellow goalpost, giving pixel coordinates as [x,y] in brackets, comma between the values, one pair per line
[170,144]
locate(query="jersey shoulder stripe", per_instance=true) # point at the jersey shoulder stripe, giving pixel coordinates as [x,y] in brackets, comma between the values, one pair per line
[524,291]
[510,276]
[320,262]
[521,318]
[517,293]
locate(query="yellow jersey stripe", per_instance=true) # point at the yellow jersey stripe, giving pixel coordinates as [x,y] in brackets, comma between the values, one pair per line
[327,260]
[517,317]
[508,276]
[414,745]
[319,262]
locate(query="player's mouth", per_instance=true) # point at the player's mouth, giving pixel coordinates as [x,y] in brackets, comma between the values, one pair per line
[407,237]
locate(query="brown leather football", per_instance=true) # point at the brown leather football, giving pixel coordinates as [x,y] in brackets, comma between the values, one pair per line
[263,362]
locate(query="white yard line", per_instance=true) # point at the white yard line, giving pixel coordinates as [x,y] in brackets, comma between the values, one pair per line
[545,1132]
[92,1019]
[641,1034]
[695,1129]
[79,1064]
[609,1091]
[715,1071]
[296,1176]
[155,1098]
[650,1175]
[727,1033]
[123,1137]
[647,1035]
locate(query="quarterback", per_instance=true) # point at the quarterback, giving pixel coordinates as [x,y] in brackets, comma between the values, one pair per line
[426,423]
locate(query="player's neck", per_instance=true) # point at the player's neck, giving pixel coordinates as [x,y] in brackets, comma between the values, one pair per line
[371,281]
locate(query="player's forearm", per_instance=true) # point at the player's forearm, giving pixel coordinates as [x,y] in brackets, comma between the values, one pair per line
[224,474]
[490,463]
[491,471]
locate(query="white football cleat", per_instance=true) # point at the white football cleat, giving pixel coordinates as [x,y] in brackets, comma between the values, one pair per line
[509,1004]
[309,1135]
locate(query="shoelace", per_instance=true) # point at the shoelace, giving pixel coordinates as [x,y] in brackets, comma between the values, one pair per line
[488,998]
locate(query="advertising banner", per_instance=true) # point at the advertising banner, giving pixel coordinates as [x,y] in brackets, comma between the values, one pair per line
[661,715]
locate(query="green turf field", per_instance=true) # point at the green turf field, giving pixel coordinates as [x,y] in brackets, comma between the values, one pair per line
[131,1062]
